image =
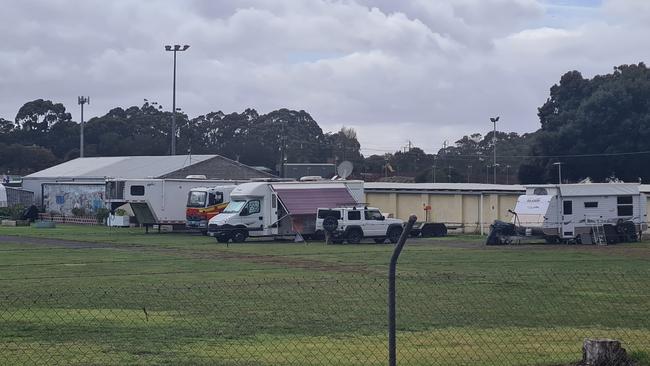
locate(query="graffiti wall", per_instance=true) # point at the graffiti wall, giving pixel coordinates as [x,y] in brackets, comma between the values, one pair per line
[62,198]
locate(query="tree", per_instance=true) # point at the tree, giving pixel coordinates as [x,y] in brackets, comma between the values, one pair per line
[39,115]
[592,125]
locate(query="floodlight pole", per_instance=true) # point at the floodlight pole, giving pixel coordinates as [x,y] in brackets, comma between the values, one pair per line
[494,120]
[82,101]
[559,172]
[176,48]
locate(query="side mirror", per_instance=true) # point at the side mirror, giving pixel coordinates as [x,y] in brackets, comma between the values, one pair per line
[382,218]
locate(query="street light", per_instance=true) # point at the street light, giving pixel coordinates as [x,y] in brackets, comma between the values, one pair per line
[82,101]
[559,171]
[494,120]
[507,176]
[175,48]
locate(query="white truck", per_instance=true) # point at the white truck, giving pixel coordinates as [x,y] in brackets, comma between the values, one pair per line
[280,209]
[601,213]
[157,201]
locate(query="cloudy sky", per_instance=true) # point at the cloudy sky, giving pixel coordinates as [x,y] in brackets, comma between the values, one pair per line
[419,70]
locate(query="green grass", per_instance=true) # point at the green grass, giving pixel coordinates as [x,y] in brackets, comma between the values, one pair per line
[133,298]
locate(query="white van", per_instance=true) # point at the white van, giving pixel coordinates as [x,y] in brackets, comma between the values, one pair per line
[280,209]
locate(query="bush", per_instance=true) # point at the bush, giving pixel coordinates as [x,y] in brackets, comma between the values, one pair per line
[101,215]
[12,213]
[77,211]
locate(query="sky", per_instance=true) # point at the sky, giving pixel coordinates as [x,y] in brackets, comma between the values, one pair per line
[425,71]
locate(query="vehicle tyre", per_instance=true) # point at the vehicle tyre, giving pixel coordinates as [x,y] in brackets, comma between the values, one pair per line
[394,234]
[337,241]
[551,239]
[239,236]
[330,223]
[222,239]
[354,236]
[380,240]
[204,232]
[318,235]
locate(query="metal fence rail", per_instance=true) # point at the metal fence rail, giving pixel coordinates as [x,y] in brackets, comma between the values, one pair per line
[442,319]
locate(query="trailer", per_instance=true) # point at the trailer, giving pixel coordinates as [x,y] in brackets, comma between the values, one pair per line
[276,209]
[156,201]
[587,213]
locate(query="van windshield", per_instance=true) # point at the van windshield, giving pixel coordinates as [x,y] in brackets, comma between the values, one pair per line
[196,199]
[234,207]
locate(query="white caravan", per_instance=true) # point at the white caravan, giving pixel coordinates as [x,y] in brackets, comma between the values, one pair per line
[157,201]
[280,209]
[582,212]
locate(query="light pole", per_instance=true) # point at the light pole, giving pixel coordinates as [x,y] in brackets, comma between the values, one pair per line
[494,120]
[559,172]
[175,48]
[82,101]
[507,176]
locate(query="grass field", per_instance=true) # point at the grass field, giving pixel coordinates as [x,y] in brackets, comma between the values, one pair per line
[93,295]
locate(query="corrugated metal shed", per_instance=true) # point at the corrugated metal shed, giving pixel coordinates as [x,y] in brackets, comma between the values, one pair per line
[120,166]
[436,187]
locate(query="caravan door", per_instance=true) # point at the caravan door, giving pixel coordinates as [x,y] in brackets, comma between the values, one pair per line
[568,224]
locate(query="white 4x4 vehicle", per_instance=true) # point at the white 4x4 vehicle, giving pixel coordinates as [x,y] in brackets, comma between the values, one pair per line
[354,224]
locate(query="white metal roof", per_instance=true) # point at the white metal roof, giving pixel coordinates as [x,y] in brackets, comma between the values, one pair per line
[120,166]
[370,186]
[594,189]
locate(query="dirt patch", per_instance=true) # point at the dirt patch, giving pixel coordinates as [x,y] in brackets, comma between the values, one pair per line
[220,254]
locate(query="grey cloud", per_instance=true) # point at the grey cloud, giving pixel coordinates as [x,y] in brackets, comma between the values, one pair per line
[422,70]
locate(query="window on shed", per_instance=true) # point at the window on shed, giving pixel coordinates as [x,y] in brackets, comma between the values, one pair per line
[354,215]
[591,204]
[137,190]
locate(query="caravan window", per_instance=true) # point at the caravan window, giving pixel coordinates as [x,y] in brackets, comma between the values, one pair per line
[591,204]
[567,207]
[625,206]
[137,190]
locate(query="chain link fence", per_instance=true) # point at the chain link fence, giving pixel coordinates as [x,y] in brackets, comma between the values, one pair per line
[442,319]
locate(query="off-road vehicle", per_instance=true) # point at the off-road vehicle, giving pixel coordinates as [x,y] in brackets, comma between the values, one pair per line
[353,224]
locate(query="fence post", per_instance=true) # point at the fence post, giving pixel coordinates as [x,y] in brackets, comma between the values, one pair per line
[392,355]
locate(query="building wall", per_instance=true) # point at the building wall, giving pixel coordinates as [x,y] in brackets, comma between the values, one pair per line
[62,198]
[456,209]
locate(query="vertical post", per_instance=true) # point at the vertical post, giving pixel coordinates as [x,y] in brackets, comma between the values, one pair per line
[494,141]
[173,152]
[392,269]
[82,101]
[81,140]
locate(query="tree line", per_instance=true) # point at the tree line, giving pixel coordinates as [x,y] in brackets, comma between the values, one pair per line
[597,128]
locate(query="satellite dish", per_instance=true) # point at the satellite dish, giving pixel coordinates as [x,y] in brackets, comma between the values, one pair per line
[344,169]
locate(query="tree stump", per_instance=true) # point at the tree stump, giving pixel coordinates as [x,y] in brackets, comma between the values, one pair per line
[604,352]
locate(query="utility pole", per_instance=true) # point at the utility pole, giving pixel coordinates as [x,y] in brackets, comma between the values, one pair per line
[82,101]
[559,172]
[507,174]
[176,48]
[494,120]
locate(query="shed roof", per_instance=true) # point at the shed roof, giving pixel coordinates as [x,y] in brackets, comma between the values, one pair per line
[120,166]
[428,187]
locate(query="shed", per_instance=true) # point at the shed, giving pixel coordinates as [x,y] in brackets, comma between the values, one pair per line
[89,174]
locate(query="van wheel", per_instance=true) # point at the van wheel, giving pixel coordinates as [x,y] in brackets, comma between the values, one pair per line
[394,234]
[380,240]
[239,236]
[354,236]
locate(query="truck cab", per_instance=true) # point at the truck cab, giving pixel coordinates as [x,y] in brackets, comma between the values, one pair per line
[204,203]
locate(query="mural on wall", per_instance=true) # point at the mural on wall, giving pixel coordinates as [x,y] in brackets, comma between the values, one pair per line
[68,199]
